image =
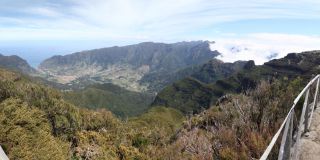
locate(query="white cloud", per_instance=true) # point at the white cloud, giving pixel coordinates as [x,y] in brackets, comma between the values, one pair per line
[151,19]
[132,21]
[260,46]
[44,11]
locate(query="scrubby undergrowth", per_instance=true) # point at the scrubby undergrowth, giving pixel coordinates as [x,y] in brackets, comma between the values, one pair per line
[36,123]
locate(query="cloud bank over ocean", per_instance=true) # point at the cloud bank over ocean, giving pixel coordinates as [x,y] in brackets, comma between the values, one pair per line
[262,47]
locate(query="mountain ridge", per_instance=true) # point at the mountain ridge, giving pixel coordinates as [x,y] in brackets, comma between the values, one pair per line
[128,65]
[16,63]
[184,94]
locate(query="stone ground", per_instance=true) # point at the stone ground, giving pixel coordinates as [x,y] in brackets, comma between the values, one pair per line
[310,142]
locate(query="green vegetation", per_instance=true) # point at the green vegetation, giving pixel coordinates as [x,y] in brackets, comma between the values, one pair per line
[195,93]
[215,70]
[189,95]
[207,72]
[238,127]
[26,133]
[119,101]
[36,123]
[168,118]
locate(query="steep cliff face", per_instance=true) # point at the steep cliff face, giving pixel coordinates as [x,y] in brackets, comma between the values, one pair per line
[127,66]
[17,64]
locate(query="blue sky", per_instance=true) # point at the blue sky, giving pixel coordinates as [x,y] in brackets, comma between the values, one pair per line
[41,28]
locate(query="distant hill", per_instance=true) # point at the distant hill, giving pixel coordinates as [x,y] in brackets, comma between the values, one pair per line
[134,67]
[121,102]
[194,93]
[215,70]
[17,64]
[197,93]
[207,72]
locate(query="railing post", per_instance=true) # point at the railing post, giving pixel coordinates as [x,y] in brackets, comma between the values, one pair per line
[315,102]
[286,142]
[307,118]
[301,127]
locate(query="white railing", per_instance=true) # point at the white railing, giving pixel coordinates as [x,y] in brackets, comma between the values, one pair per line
[292,133]
[3,155]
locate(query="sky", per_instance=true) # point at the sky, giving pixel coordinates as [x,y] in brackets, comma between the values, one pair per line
[260,30]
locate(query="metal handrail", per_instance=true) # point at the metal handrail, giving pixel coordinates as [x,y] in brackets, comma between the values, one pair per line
[290,142]
[3,155]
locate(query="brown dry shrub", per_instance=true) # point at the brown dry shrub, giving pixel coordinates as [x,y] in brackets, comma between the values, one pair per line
[239,126]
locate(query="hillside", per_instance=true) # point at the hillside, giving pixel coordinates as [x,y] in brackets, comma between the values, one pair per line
[215,70]
[16,63]
[119,101]
[36,123]
[192,95]
[196,92]
[127,66]
[239,126]
[207,72]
